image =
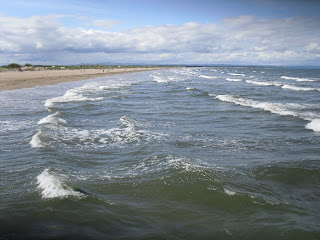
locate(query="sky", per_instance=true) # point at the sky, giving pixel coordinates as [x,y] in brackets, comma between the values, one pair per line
[237,32]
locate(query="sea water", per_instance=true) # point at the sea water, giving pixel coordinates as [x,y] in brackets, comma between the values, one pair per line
[184,153]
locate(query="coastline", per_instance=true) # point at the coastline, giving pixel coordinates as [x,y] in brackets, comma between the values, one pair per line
[10,80]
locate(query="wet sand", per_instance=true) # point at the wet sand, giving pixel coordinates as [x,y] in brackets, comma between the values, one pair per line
[16,80]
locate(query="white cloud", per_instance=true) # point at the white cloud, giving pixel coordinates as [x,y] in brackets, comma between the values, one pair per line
[106,24]
[239,40]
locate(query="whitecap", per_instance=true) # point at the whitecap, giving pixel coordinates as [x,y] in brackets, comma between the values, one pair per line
[260,83]
[229,192]
[72,95]
[314,125]
[190,88]
[295,88]
[54,186]
[298,79]
[236,74]
[234,79]
[53,119]
[208,77]
[36,141]
[276,108]
[159,79]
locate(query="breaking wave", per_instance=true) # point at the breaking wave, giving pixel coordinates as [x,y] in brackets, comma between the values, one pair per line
[54,186]
[237,74]
[129,131]
[260,83]
[234,79]
[53,119]
[314,125]
[276,108]
[72,95]
[295,88]
[298,79]
[208,77]
[35,141]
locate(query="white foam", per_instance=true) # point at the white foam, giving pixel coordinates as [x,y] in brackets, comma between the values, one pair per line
[190,88]
[36,141]
[208,77]
[276,108]
[126,133]
[53,186]
[260,83]
[229,192]
[298,79]
[234,79]
[314,125]
[112,86]
[236,74]
[295,88]
[11,125]
[53,119]
[159,79]
[72,95]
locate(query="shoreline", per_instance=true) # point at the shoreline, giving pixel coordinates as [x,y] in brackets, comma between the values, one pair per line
[11,80]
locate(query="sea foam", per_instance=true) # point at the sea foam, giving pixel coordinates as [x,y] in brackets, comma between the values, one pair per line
[260,83]
[72,95]
[276,108]
[53,119]
[295,88]
[236,74]
[314,125]
[234,79]
[54,186]
[298,79]
[208,77]
[35,141]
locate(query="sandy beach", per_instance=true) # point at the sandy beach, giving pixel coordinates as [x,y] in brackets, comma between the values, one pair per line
[15,80]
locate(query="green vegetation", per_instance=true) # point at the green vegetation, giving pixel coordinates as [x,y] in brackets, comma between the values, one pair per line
[13,65]
[30,67]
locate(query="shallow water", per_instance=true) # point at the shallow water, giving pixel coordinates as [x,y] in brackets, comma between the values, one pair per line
[209,153]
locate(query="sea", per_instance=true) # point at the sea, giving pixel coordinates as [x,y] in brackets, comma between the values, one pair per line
[179,153]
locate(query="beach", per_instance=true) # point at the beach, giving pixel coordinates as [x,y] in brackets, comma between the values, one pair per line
[16,80]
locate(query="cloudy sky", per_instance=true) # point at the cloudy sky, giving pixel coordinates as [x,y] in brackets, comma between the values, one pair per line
[259,32]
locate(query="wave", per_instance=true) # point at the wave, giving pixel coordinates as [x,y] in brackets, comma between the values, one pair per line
[53,119]
[113,86]
[54,186]
[314,125]
[237,74]
[234,79]
[208,77]
[35,141]
[298,79]
[282,85]
[190,88]
[14,125]
[260,83]
[276,108]
[156,166]
[295,88]
[72,95]
[129,131]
